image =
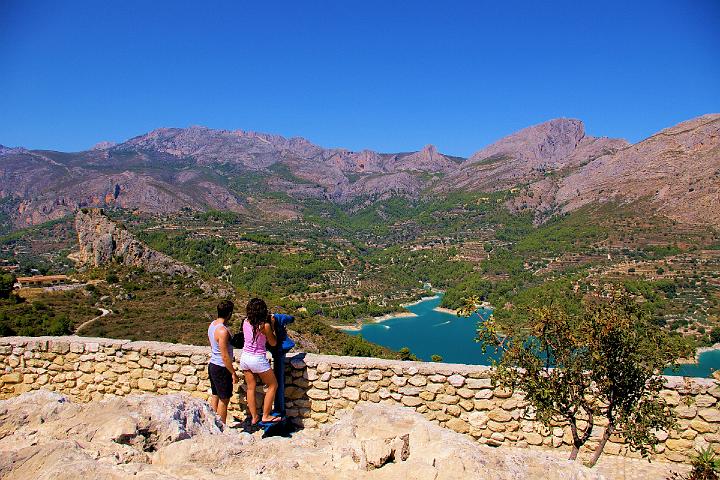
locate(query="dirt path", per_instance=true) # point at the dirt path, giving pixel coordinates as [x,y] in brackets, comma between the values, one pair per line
[104,311]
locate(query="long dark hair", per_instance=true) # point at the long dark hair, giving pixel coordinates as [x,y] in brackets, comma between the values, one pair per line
[257,314]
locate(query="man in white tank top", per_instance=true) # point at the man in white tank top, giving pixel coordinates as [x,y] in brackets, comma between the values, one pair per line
[220,368]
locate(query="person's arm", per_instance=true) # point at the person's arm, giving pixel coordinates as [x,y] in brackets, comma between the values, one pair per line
[223,338]
[269,332]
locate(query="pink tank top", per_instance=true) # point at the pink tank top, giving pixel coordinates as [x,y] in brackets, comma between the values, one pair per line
[253,347]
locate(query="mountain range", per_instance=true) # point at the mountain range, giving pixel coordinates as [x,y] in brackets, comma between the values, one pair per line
[551,167]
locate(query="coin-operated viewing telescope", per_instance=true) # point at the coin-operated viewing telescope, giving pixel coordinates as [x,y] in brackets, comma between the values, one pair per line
[281,348]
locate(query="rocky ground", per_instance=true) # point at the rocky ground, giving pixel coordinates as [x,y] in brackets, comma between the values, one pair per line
[43,435]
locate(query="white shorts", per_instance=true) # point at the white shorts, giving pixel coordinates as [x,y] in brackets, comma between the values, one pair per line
[254,363]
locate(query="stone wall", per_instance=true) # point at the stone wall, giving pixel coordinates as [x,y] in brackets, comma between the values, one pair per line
[459,397]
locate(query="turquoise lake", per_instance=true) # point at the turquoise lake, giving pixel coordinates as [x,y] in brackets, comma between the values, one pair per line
[452,337]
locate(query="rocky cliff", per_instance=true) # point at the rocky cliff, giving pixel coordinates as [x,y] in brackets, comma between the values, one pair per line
[44,435]
[102,242]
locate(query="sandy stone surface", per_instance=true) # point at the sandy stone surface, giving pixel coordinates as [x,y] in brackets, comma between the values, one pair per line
[43,435]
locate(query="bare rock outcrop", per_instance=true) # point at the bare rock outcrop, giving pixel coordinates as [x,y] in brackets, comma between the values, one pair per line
[677,171]
[177,436]
[102,241]
[528,154]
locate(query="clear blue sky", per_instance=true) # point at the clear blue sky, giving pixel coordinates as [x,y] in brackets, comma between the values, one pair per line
[390,76]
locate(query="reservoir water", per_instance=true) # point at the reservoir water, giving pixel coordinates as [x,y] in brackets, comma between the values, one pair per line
[453,338]
[431,332]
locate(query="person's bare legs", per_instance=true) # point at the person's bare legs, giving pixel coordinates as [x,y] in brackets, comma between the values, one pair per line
[268,378]
[250,384]
[223,408]
[214,402]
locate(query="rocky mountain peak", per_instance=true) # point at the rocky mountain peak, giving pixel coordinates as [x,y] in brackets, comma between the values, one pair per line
[9,150]
[545,143]
[104,145]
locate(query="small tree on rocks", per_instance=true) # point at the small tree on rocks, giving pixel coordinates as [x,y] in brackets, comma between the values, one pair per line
[605,362]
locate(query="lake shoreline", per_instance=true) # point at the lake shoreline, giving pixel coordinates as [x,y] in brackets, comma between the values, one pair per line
[388,316]
[696,359]
[446,310]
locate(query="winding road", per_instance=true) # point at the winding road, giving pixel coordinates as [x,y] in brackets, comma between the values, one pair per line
[104,311]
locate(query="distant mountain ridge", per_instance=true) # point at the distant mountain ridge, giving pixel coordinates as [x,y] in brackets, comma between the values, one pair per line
[555,164]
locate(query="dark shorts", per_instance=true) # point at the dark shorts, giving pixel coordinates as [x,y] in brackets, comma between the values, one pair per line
[220,381]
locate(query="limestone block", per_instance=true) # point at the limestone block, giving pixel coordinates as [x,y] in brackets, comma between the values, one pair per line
[671,397]
[453,410]
[336,383]
[374,375]
[680,444]
[320,417]
[456,380]
[132,356]
[437,378]
[408,390]
[458,425]
[478,419]
[119,368]
[170,368]
[533,438]
[417,381]
[704,401]
[483,394]
[411,401]
[399,381]
[198,359]
[465,393]
[317,394]
[467,405]
[499,415]
[448,399]
[145,362]
[501,393]
[710,415]
[369,387]
[703,427]
[685,411]
[478,383]
[13,377]
[427,396]
[435,387]
[146,384]
[495,426]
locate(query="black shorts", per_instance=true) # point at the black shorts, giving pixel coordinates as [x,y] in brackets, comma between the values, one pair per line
[220,381]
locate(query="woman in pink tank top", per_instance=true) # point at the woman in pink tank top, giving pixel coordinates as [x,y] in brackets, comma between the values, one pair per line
[258,329]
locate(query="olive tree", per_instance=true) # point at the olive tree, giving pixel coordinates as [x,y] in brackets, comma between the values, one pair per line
[574,368]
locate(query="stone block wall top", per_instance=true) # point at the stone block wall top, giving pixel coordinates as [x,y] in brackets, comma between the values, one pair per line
[424,368]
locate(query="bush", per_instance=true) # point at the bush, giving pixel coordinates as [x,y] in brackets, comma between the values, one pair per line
[604,362]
